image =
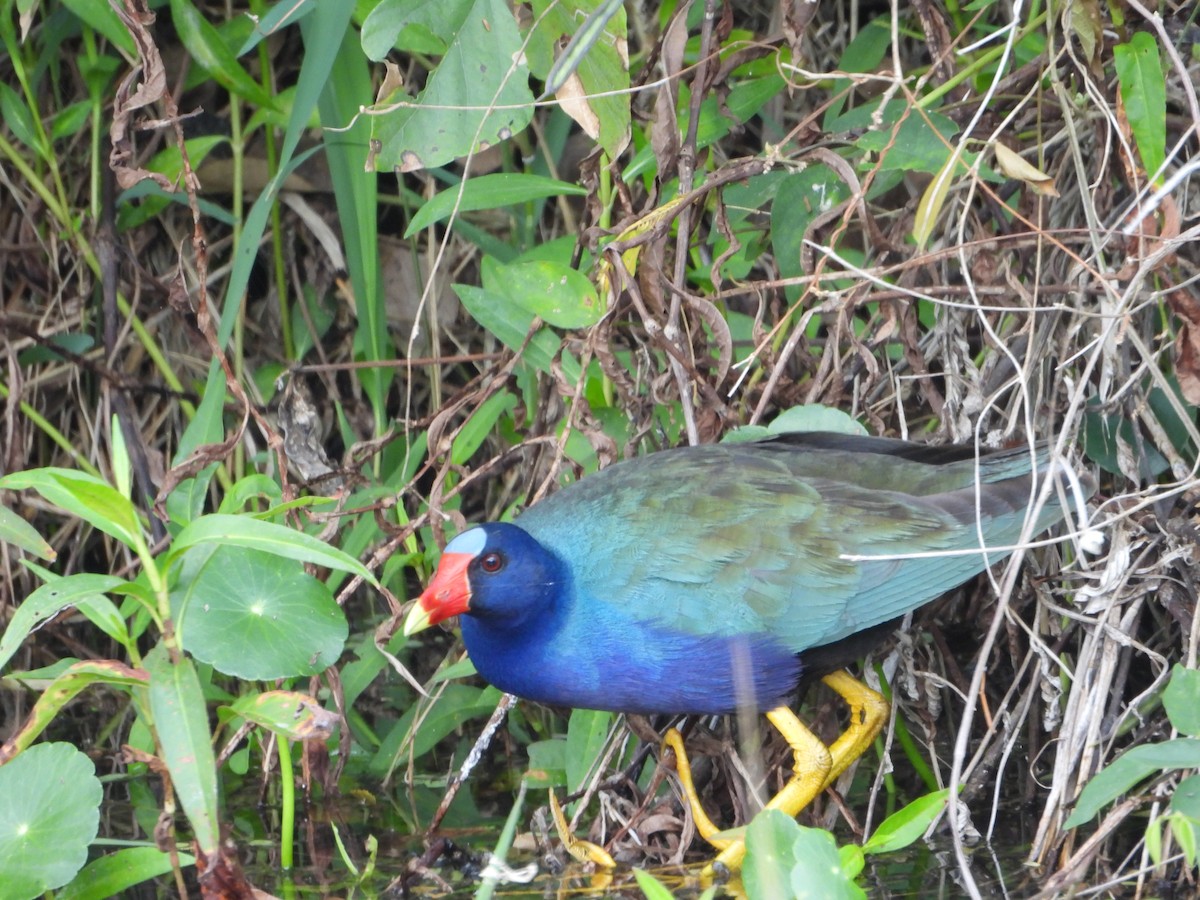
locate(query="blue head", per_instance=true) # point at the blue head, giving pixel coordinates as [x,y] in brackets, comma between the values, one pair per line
[497,575]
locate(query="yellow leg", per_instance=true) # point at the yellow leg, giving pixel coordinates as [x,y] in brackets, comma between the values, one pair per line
[810,774]
[816,766]
[704,824]
[584,851]
[868,713]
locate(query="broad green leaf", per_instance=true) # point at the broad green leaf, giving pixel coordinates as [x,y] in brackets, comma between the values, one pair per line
[105,615]
[254,534]
[121,466]
[555,293]
[256,615]
[906,825]
[478,94]
[547,763]
[1184,829]
[489,192]
[818,873]
[1130,768]
[46,602]
[798,199]
[181,721]
[921,144]
[1144,95]
[863,54]
[510,323]
[767,867]
[1182,700]
[252,488]
[49,815]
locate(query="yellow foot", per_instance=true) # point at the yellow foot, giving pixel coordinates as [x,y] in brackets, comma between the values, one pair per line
[815,767]
[584,851]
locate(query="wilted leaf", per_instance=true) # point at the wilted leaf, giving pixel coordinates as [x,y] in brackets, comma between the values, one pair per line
[1013,165]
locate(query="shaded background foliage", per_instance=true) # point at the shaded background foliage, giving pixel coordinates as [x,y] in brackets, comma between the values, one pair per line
[951,224]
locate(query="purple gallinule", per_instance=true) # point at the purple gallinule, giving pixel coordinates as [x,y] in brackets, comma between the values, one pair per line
[709,579]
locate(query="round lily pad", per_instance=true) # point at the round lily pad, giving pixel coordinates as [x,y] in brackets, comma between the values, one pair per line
[255,615]
[49,815]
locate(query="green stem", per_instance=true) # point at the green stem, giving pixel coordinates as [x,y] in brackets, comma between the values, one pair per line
[287,812]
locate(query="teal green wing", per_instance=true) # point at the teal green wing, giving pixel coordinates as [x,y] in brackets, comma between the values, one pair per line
[753,538]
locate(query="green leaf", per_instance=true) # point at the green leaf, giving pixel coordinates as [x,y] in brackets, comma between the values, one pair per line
[254,534]
[1184,829]
[114,873]
[1130,768]
[555,293]
[1181,700]
[181,721]
[16,531]
[84,496]
[256,615]
[476,429]
[458,704]
[1144,94]
[784,859]
[767,867]
[204,44]
[587,732]
[509,323]
[347,139]
[291,714]
[1186,799]
[280,16]
[906,825]
[921,144]
[464,668]
[46,602]
[929,207]
[17,116]
[121,467]
[815,417]
[51,813]
[651,886]
[477,95]
[590,76]
[100,17]
[547,763]
[489,192]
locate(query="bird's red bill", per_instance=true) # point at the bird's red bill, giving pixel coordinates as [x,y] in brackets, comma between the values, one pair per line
[448,594]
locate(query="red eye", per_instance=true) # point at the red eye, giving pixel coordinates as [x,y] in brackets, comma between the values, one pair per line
[491,562]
